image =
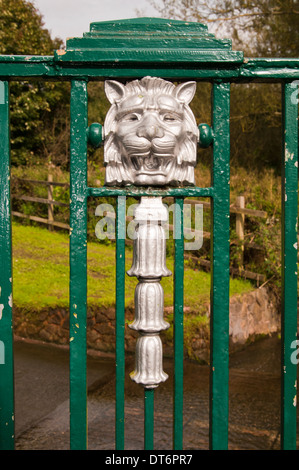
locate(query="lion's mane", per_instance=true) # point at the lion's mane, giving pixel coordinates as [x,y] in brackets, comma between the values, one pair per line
[118,168]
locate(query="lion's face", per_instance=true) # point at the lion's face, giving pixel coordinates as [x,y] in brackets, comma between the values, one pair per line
[148,128]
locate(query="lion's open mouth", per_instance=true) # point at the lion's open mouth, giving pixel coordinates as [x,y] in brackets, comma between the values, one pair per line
[151,163]
[153,160]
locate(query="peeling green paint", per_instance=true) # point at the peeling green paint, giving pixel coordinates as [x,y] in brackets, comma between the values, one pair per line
[2,93]
[289,265]
[78,265]
[219,320]
[120,323]
[6,321]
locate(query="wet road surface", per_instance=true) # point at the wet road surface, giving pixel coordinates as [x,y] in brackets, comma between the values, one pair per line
[42,406]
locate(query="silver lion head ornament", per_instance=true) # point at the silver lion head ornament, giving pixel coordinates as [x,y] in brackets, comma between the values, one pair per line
[150,132]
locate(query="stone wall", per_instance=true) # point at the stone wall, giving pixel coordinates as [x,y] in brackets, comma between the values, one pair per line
[251,315]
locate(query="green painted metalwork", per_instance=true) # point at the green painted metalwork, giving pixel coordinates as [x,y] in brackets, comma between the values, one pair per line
[205,135]
[78,265]
[95,134]
[270,69]
[46,67]
[169,49]
[289,264]
[178,332]
[150,40]
[120,322]
[219,323]
[6,319]
[135,191]
[149,395]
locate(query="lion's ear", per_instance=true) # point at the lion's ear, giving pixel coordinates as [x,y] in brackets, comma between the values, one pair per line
[185,91]
[115,91]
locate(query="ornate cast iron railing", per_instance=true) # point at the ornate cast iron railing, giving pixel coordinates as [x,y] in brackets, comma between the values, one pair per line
[127,51]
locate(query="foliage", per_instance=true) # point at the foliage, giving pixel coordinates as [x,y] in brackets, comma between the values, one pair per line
[268,236]
[22,30]
[260,29]
[38,110]
[267,28]
[271,25]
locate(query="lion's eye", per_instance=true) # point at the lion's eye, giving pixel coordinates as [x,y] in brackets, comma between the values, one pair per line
[170,118]
[131,117]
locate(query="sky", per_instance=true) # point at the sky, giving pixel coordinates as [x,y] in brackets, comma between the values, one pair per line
[71,18]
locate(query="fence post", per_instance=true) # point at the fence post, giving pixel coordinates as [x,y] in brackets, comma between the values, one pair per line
[6,319]
[78,265]
[219,320]
[240,221]
[50,206]
[289,241]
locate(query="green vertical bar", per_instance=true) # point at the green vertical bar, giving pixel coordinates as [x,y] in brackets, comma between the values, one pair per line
[6,320]
[178,323]
[149,419]
[219,323]
[289,264]
[120,322]
[78,266]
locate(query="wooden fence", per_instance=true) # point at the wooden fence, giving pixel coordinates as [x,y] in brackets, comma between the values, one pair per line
[238,209]
[49,201]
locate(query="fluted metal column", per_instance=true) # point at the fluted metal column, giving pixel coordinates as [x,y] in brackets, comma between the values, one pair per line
[149,266]
[151,138]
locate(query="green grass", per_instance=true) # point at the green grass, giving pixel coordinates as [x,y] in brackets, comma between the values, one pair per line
[41,273]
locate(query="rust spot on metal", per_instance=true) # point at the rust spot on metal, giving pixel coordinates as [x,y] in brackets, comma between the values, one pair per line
[61,52]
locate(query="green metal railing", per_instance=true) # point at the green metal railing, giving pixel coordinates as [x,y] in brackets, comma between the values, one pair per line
[177,62]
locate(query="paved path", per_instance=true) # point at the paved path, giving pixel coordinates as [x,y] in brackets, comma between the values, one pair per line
[42,407]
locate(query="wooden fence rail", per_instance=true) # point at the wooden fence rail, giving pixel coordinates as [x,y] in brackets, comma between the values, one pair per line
[49,201]
[238,208]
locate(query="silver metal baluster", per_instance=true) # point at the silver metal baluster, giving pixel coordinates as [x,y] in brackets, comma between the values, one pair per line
[149,266]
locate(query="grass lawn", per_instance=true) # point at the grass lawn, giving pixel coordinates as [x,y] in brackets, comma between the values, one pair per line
[41,273]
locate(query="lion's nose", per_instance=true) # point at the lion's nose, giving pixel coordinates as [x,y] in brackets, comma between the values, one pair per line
[150,131]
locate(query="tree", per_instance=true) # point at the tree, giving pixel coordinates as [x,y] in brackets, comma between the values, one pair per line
[22,30]
[271,25]
[33,105]
[261,29]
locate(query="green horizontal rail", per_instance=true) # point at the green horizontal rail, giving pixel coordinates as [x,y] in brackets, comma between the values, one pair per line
[268,68]
[134,191]
[46,67]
